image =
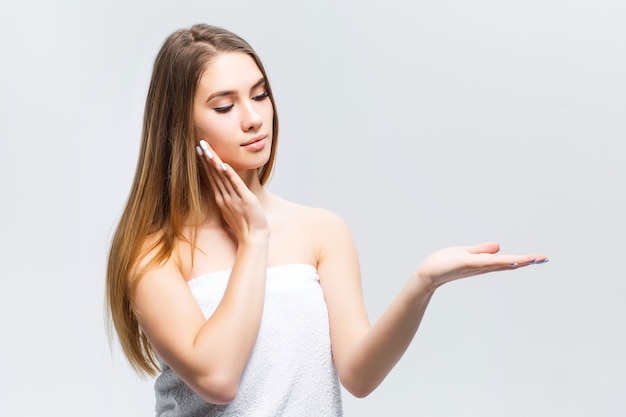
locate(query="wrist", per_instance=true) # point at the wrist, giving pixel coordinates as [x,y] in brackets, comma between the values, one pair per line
[258,237]
[422,283]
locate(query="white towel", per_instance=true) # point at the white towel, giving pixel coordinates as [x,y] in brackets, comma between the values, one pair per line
[290,371]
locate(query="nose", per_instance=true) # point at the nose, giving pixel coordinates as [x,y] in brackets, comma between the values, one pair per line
[250,118]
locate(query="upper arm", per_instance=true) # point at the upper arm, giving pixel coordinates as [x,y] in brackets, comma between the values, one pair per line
[340,278]
[209,355]
[168,314]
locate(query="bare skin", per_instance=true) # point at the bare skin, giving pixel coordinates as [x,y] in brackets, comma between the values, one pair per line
[254,230]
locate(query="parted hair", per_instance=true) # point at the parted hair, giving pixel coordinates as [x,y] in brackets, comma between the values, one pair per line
[169,189]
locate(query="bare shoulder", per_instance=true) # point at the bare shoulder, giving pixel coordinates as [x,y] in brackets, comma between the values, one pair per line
[160,293]
[317,219]
[312,230]
[153,260]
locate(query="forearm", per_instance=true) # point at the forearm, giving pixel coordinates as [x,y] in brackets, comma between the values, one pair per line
[224,343]
[384,344]
[241,307]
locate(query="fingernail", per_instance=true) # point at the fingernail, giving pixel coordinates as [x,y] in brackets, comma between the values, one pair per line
[534,261]
[205,146]
[542,262]
[222,166]
[515,264]
[198,151]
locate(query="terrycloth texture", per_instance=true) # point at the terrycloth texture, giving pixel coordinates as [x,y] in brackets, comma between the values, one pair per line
[290,372]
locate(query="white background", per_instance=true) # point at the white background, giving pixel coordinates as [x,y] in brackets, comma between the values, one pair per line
[424,124]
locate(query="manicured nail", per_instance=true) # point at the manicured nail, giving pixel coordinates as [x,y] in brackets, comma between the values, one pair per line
[205,146]
[515,264]
[198,151]
[542,262]
[222,166]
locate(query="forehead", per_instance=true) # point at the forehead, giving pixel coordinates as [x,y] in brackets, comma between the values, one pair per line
[229,71]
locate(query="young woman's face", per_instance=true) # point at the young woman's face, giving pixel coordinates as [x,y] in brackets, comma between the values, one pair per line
[233,112]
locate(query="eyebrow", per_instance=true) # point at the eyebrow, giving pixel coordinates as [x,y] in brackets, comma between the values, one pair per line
[232,92]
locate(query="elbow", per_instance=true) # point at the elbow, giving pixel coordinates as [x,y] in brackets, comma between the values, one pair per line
[218,390]
[359,390]
[359,387]
[224,395]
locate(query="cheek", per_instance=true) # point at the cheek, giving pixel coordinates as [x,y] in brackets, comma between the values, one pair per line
[206,128]
[269,111]
[219,135]
[199,129]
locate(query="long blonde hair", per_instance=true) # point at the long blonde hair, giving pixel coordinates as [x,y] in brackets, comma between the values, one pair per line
[169,189]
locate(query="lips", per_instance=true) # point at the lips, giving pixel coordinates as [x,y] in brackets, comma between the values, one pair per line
[254,140]
[256,143]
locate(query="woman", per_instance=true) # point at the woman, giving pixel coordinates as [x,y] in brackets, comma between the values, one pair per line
[247,304]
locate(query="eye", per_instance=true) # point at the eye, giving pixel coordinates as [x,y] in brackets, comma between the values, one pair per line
[223,109]
[261,96]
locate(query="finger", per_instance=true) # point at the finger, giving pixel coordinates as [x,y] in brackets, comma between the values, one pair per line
[509,262]
[233,184]
[527,260]
[505,266]
[212,156]
[485,260]
[214,166]
[206,167]
[202,156]
[205,157]
[206,148]
[217,183]
[215,180]
[488,247]
[205,154]
[224,176]
[229,177]
[238,186]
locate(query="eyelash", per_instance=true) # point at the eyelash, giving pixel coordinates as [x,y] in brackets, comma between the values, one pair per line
[261,96]
[225,109]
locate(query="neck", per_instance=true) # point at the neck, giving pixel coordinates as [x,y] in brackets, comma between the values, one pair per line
[251,179]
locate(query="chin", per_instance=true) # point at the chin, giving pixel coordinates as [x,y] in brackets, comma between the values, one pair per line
[248,166]
[245,161]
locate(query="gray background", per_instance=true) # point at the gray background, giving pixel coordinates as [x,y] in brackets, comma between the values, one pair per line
[424,124]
